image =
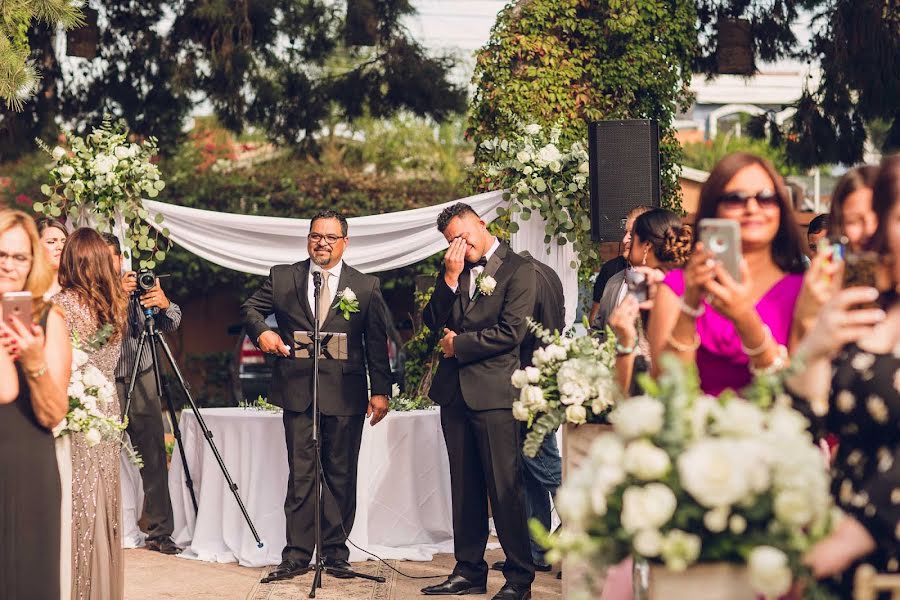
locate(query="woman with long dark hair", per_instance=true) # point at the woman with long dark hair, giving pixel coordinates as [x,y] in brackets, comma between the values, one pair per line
[95,305]
[731,328]
[53,238]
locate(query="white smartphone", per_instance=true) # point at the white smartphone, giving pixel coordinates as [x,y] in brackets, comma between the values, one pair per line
[722,237]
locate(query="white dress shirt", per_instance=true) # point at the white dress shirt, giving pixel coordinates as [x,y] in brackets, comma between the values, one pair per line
[476,271]
[333,282]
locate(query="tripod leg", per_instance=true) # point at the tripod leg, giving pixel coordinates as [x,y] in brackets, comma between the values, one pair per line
[173,415]
[207,434]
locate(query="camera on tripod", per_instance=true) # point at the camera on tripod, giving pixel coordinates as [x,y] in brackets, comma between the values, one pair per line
[146,281]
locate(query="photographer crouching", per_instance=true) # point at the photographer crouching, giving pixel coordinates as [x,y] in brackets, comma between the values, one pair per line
[145,421]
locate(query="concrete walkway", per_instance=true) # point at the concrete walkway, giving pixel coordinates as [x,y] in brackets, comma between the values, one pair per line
[153,576]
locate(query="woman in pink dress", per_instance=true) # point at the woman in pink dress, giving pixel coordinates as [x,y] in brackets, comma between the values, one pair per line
[729,328]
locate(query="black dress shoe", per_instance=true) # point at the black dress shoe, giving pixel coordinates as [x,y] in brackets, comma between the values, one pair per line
[337,563]
[286,570]
[456,585]
[542,567]
[509,592]
[163,545]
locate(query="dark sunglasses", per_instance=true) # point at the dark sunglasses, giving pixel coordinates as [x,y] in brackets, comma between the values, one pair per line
[735,200]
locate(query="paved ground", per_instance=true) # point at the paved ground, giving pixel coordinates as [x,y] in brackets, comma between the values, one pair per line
[153,576]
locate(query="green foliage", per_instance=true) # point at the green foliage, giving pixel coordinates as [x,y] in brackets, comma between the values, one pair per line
[421,353]
[18,78]
[570,61]
[704,155]
[404,403]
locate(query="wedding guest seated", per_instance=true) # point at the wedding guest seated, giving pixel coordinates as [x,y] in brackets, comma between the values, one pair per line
[815,231]
[35,364]
[53,237]
[851,361]
[613,271]
[730,328]
[660,242]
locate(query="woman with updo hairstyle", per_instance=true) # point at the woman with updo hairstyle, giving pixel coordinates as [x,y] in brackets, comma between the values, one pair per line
[660,242]
[53,237]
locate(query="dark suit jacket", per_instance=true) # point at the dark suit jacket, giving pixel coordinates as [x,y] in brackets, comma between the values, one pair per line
[343,389]
[489,330]
[549,308]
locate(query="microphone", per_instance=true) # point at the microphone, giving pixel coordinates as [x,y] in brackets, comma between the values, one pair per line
[317,279]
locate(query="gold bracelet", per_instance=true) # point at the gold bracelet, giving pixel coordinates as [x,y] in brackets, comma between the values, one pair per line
[691,347]
[36,373]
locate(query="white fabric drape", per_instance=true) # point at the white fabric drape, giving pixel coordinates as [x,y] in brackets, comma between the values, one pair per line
[252,244]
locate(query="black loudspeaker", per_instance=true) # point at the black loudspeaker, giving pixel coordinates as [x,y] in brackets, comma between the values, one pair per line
[624,167]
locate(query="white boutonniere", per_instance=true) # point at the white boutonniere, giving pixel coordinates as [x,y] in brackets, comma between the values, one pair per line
[347,303]
[485,284]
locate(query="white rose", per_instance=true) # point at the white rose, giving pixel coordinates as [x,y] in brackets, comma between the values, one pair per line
[531,395]
[646,461]
[58,153]
[648,542]
[487,285]
[573,505]
[66,172]
[93,377]
[680,550]
[607,449]
[584,167]
[539,357]
[520,411]
[737,524]
[638,417]
[534,374]
[648,507]
[555,352]
[713,472]
[523,156]
[738,418]
[76,389]
[793,507]
[576,414]
[548,154]
[533,129]
[519,379]
[769,572]
[79,358]
[716,520]
[103,163]
[348,295]
[79,414]
[92,437]
[527,171]
[555,166]
[122,152]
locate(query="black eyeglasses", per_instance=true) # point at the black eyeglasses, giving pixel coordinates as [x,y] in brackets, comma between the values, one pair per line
[330,238]
[734,200]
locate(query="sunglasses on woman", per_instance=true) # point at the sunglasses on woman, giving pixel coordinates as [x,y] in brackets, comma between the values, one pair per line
[735,200]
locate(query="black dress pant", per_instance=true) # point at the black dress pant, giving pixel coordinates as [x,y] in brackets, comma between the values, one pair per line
[145,428]
[485,450]
[340,441]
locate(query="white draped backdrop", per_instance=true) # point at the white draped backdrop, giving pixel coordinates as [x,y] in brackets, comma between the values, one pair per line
[253,244]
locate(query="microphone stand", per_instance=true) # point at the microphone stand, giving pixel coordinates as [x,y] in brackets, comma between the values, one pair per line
[317,442]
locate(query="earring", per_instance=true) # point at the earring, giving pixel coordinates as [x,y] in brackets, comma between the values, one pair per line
[644,262]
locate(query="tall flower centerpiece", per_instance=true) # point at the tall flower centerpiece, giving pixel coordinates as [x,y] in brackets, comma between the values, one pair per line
[571,382]
[685,479]
[545,177]
[102,178]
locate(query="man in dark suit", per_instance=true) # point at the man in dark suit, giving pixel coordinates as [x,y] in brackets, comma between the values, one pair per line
[481,301]
[542,474]
[344,396]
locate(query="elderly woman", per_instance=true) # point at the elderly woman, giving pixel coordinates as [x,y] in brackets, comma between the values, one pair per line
[35,364]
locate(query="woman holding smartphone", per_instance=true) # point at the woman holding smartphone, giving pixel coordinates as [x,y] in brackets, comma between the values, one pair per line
[35,364]
[94,300]
[851,380]
[731,327]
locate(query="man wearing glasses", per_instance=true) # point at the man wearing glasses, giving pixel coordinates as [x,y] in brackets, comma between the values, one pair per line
[344,396]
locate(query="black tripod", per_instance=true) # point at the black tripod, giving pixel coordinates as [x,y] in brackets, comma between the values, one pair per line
[320,558]
[150,332]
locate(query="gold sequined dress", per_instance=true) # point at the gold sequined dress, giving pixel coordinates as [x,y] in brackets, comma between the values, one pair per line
[97,565]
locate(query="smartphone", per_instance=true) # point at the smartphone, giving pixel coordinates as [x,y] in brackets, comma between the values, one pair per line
[636,282]
[722,237]
[17,304]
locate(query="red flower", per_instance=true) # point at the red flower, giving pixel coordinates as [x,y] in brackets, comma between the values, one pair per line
[24,200]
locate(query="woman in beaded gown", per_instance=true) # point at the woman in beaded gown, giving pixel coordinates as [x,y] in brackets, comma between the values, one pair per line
[94,303]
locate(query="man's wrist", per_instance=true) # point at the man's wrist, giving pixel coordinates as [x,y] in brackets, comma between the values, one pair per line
[452,282]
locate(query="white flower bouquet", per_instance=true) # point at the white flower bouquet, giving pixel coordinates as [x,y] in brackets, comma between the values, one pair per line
[571,382]
[545,176]
[105,175]
[90,392]
[687,478]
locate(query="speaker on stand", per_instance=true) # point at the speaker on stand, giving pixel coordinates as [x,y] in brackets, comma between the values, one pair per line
[624,168]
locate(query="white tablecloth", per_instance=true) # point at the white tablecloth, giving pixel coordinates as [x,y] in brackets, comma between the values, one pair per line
[403,499]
